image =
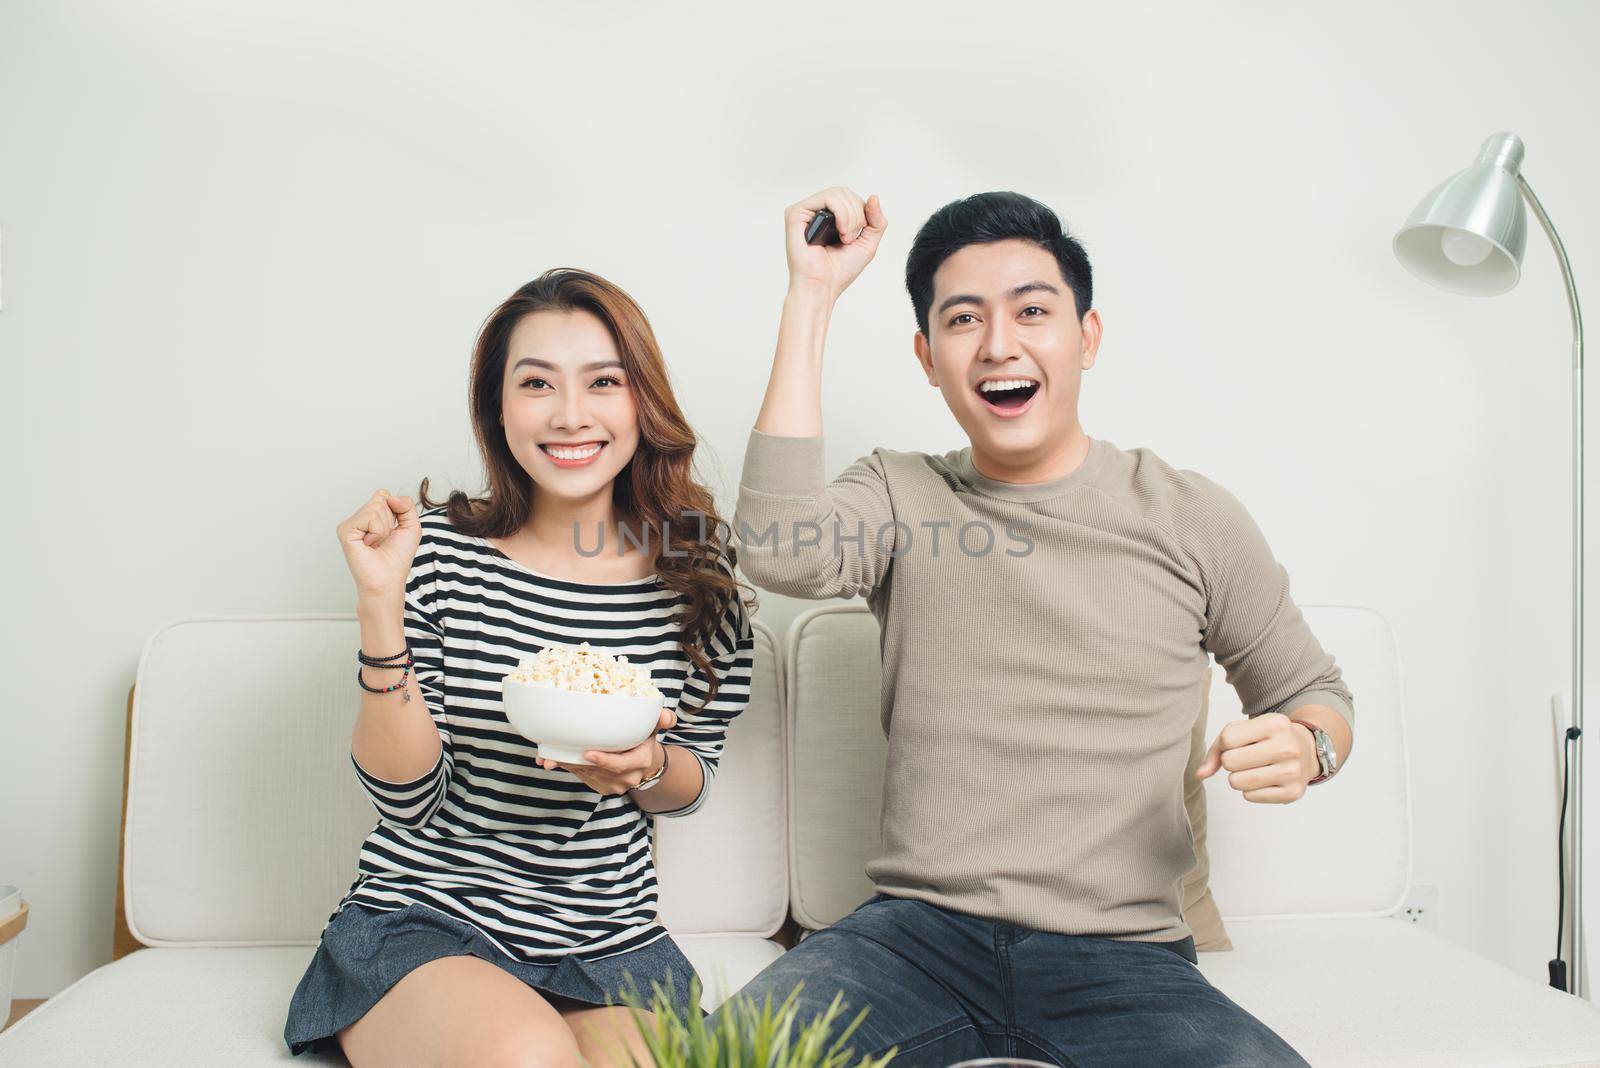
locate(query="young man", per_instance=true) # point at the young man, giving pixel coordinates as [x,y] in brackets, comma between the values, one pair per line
[1047,602]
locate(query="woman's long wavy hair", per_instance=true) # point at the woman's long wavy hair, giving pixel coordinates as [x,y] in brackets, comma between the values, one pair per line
[656,491]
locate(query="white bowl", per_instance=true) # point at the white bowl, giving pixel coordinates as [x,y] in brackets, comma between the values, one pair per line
[565,723]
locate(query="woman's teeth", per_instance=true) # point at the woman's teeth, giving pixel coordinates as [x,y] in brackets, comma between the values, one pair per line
[571,454]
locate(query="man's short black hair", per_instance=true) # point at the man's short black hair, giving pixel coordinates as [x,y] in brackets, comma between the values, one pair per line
[982,219]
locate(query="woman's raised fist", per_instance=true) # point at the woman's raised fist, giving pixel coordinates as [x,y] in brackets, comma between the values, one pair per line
[379,541]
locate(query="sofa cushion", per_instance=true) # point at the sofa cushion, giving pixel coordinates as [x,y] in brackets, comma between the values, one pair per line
[244,816]
[1344,848]
[837,752]
[725,868]
[1200,910]
[1369,993]
[1347,993]
[210,1007]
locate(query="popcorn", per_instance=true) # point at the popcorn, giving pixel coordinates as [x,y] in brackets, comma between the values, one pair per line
[585,670]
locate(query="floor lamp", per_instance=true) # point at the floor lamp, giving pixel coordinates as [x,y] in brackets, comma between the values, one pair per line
[1467,236]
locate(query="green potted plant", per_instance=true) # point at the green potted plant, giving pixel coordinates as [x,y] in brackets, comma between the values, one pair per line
[747,1035]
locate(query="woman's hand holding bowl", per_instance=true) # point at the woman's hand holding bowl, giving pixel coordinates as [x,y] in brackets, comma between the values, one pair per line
[617,772]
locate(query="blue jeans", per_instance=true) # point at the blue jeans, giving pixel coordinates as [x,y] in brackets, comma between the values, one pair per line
[944,987]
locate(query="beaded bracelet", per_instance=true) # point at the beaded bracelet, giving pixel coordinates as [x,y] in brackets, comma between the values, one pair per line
[404,674]
[384,661]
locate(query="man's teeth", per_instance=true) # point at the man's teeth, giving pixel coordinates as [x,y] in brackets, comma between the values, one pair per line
[572,454]
[1006,383]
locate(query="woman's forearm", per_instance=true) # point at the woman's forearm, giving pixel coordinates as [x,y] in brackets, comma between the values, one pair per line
[394,740]
[793,403]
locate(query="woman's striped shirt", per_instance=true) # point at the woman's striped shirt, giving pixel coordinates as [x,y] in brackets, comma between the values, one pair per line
[541,864]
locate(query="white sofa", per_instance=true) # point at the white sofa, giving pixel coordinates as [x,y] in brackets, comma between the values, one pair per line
[243,820]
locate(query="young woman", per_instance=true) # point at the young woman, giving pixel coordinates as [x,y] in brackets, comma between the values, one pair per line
[502,900]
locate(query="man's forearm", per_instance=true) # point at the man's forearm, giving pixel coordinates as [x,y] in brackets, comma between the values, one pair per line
[793,403]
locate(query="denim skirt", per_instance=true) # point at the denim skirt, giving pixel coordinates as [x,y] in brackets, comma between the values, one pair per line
[365,951]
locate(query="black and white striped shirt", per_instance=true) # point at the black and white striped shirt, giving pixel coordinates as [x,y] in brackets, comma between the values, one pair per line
[541,864]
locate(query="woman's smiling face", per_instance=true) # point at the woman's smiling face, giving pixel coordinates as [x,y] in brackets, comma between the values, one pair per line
[1006,348]
[568,411]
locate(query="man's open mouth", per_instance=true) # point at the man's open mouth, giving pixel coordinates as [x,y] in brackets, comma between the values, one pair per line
[1007,395]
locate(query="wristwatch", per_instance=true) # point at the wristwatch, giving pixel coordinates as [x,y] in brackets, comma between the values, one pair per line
[1327,756]
[652,780]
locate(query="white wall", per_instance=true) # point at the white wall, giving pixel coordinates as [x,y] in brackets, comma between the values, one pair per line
[246,248]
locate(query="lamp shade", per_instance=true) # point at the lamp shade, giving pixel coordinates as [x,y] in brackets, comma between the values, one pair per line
[1467,235]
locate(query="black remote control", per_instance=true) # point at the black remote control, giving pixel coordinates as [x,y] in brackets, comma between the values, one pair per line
[822,230]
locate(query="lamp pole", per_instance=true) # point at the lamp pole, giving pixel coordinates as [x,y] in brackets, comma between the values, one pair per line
[1579,974]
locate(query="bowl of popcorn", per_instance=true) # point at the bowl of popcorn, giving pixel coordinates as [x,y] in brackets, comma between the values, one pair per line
[570,699]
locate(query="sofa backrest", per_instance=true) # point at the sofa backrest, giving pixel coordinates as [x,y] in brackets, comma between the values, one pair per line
[723,868]
[244,816]
[1342,849]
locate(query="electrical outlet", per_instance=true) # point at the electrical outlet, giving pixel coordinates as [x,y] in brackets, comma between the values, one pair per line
[1422,907]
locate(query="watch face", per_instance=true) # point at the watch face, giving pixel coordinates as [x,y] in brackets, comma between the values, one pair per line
[1326,753]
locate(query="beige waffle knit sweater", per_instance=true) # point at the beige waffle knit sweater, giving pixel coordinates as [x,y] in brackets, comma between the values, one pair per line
[1042,648]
